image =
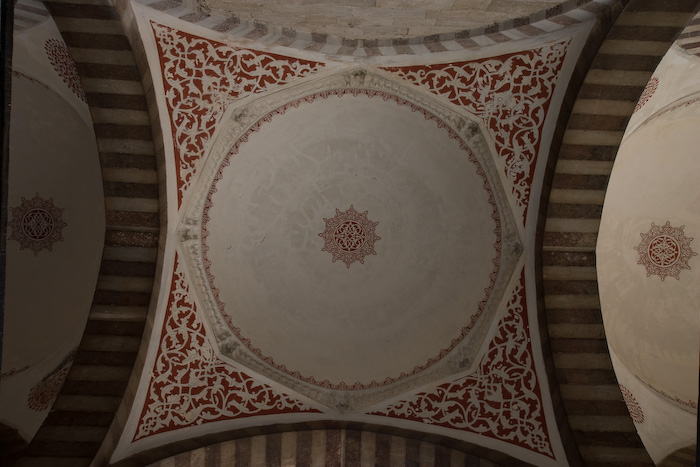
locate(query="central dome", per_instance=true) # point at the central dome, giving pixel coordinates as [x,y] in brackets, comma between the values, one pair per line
[381,180]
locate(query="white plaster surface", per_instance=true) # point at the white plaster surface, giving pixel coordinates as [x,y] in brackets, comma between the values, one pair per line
[373,320]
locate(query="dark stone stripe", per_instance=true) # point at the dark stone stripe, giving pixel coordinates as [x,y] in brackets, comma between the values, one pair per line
[643,33]
[571,287]
[128,239]
[588,182]
[109,130]
[586,407]
[442,456]
[586,376]
[582,316]
[119,328]
[353,448]
[91,357]
[570,239]
[62,449]
[85,40]
[333,448]
[662,5]
[110,297]
[625,62]
[107,71]
[117,101]
[603,91]
[568,258]
[212,455]
[303,452]
[412,453]
[570,211]
[587,152]
[598,122]
[118,161]
[273,450]
[131,190]
[74,10]
[243,453]
[128,268]
[68,418]
[133,219]
[382,449]
[579,346]
[610,438]
[94,388]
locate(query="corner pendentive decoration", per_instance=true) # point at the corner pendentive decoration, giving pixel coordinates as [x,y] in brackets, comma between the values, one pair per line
[36,224]
[665,250]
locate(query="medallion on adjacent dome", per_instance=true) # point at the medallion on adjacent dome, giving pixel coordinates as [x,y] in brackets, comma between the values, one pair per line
[349,236]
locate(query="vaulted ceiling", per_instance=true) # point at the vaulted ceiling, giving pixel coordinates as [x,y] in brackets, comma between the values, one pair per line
[357,232]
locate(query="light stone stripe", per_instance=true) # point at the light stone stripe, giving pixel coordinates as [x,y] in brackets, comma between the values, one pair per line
[288,455]
[458,458]
[617,77]
[564,196]
[368,449]
[583,167]
[318,448]
[398,450]
[119,116]
[627,47]
[572,302]
[579,331]
[103,56]
[227,454]
[118,313]
[197,458]
[112,86]
[107,343]
[426,456]
[587,361]
[572,225]
[601,392]
[258,453]
[125,283]
[603,107]
[593,137]
[129,175]
[89,25]
[85,2]
[125,146]
[622,423]
[113,203]
[569,273]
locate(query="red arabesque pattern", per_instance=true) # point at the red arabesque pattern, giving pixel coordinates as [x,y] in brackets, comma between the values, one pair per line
[357,385]
[201,77]
[635,410]
[44,393]
[649,91]
[510,93]
[190,385]
[501,399]
[64,65]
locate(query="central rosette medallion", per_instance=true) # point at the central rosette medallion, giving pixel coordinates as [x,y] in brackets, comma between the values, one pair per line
[349,236]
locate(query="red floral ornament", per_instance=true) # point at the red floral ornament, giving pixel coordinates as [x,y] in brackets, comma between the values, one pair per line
[349,236]
[664,250]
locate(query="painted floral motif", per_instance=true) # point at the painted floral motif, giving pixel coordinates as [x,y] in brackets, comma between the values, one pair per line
[190,385]
[202,77]
[649,90]
[349,236]
[36,224]
[510,93]
[44,393]
[501,399]
[64,65]
[634,408]
[665,250]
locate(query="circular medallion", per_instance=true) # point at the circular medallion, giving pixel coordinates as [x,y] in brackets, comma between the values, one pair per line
[665,250]
[36,224]
[349,236]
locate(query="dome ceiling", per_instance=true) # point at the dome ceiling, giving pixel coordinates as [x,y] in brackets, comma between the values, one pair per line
[378,19]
